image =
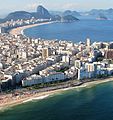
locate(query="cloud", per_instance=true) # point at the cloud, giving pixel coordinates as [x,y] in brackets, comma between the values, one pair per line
[31,6]
[70,6]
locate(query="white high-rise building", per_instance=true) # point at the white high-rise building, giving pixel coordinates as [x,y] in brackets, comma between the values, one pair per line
[88,42]
[78,64]
[66,59]
[0,30]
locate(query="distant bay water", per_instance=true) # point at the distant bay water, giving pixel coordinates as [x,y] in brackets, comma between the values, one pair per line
[97,30]
[95,103]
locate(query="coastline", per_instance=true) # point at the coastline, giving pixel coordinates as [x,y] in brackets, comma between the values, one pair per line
[19,30]
[43,95]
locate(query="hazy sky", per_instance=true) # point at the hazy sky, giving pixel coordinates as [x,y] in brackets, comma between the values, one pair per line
[7,6]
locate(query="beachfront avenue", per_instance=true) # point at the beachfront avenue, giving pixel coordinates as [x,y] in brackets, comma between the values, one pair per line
[25,61]
[48,65]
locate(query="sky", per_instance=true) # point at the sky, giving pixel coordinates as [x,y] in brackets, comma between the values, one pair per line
[7,6]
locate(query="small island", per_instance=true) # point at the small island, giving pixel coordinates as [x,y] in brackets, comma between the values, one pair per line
[102,17]
[69,18]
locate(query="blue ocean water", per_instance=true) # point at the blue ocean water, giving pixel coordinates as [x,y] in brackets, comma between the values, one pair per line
[95,103]
[97,30]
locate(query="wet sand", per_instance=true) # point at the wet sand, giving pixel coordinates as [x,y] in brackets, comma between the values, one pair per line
[43,95]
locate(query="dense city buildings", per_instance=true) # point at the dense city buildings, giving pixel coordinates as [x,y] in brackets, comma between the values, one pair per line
[26,61]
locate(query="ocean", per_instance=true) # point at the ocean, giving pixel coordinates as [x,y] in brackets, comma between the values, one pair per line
[96,30]
[93,103]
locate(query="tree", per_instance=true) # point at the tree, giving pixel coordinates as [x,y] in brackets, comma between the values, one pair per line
[0,85]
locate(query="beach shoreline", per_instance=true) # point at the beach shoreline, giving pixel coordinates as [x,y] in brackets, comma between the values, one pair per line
[19,30]
[43,95]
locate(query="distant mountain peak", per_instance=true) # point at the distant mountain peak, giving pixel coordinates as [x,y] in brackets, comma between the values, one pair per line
[41,6]
[73,13]
[19,15]
[110,9]
[101,11]
[43,12]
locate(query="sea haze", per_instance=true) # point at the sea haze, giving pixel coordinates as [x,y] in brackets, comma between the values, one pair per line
[95,103]
[97,30]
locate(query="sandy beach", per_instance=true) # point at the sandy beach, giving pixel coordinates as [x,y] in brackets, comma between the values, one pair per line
[19,30]
[7,101]
[43,95]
